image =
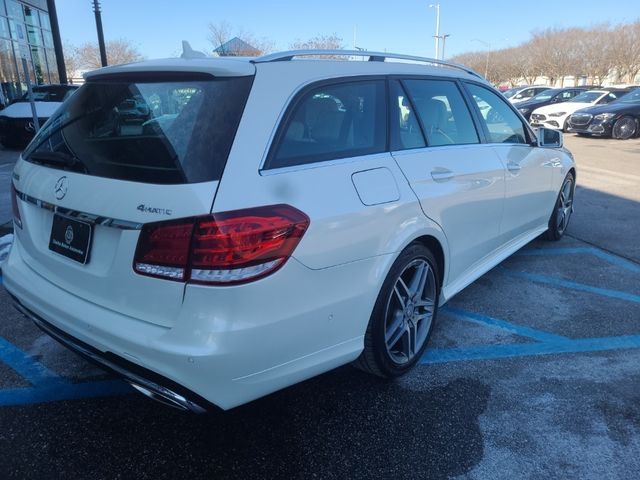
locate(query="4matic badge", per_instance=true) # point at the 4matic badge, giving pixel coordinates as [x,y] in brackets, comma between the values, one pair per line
[161,211]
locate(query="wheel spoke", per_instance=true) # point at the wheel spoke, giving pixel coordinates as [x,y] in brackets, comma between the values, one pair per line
[399,297]
[560,219]
[426,305]
[404,287]
[396,330]
[419,280]
[408,343]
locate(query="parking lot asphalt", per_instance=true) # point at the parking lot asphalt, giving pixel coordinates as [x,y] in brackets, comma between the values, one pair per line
[533,371]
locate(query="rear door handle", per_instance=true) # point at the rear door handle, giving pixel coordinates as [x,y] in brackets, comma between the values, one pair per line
[440,174]
[513,167]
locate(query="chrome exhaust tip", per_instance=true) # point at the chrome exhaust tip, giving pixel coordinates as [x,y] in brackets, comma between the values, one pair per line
[166,397]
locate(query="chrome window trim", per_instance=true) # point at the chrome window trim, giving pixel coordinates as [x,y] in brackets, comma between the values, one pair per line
[76,214]
[326,163]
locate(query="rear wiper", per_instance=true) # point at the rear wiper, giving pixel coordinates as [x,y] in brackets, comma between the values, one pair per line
[58,159]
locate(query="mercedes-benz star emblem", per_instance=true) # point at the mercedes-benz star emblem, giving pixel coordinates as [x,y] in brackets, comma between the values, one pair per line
[61,187]
[68,234]
[29,127]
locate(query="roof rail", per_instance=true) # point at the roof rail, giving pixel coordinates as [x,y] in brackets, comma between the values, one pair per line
[373,57]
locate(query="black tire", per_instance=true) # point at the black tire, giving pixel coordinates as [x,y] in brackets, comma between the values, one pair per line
[625,128]
[562,210]
[376,358]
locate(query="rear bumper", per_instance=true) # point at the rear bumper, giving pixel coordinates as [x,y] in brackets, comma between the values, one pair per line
[229,345]
[150,383]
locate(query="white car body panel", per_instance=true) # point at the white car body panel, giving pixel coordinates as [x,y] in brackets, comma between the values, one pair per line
[233,344]
[462,189]
[23,109]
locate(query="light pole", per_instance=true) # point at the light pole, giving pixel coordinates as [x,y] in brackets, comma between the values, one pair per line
[444,40]
[437,35]
[488,45]
[103,50]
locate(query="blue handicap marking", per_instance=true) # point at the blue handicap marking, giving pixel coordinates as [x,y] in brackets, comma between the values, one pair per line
[544,343]
[46,386]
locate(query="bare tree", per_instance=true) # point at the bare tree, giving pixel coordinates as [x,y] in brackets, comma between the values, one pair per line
[219,34]
[71,63]
[222,32]
[87,55]
[626,52]
[596,53]
[320,42]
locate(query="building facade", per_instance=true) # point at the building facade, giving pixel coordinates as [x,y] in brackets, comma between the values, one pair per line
[25,32]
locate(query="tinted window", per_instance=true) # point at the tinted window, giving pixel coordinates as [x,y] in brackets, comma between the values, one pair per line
[631,97]
[586,97]
[333,121]
[443,114]
[405,129]
[49,94]
[167,132]
[612,96]
[502,123]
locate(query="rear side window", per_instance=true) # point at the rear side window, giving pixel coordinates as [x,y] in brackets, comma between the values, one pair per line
[331,122]
[443,114]
[405,129]
[151,131]
[502,123]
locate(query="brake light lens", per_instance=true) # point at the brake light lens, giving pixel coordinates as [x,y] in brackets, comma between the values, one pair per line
[223,248]
[14,206]
[163,249]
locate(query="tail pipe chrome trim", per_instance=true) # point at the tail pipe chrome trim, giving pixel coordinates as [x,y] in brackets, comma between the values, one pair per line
[150,388]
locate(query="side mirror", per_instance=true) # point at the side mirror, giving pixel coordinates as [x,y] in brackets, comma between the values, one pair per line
[549,138]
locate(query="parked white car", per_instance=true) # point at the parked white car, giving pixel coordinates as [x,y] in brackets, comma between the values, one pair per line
[16,121]
[555,115]
[523,93]
[281,218]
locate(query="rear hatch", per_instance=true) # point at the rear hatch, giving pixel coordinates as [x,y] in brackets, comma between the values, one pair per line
[126,149]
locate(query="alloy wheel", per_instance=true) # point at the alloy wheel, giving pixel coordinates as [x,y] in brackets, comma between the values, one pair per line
[624,128]
[410,310]
[565,206]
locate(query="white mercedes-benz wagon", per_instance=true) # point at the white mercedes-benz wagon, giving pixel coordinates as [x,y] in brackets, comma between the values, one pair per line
[215,229]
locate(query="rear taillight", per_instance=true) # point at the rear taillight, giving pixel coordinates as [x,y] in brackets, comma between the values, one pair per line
[14,206]
[222,248]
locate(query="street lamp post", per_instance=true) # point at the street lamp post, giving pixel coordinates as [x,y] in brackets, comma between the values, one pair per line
[444,40]
[103,50]
[437,35]
[488,45]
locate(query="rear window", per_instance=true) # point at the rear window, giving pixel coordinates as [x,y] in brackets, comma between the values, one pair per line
[153,131]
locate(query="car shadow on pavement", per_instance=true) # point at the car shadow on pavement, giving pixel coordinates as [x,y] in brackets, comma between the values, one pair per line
[295,433]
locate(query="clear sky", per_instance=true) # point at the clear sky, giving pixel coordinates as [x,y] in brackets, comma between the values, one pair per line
[157,27]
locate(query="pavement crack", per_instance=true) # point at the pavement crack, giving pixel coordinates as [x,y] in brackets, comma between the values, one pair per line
[610,252]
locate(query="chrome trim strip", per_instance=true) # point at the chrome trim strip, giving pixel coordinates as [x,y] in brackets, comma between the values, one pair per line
[383,156]
[76,214]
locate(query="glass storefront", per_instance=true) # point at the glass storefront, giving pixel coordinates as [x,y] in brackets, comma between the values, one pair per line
[25,32]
